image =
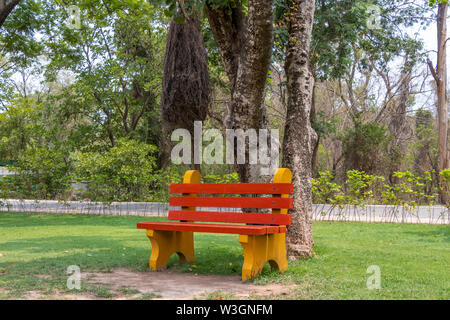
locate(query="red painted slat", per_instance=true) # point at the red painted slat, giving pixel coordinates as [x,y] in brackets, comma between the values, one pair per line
[232,202]
[231,217]
[233,188]
[211,228]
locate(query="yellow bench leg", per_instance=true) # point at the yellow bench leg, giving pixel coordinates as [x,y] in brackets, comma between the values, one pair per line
[166,243]
[261,249]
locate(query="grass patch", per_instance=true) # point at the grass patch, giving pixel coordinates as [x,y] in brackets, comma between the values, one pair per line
[413,259]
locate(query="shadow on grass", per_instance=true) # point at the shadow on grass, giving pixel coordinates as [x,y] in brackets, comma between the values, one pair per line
[27,258]
[8,219]
[432,235]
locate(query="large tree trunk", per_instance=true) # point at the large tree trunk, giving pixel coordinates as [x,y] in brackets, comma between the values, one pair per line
[440,77]
[300,138]
[185,84]
[245,44]
[6,6]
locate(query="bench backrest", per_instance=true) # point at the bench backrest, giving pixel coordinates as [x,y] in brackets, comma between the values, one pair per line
[278,200]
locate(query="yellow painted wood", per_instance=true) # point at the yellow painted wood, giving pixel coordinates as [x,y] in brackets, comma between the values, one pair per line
[166,243]
[266,248]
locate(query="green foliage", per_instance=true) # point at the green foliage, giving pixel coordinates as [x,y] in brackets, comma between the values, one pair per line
[226,178]
[445,184]
[102,81]
[343,27]
[322,125]
[410,191]
[433,3]
[20,48]
[360,189]
[162,180]
[124,173]
[360,186]
[20,124]
[42,172]
[326,191]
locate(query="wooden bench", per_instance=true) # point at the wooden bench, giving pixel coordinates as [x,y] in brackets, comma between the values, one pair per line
[262,235]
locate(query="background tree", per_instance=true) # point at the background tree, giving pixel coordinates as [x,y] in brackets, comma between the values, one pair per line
[440,78]
[115,62]
[299,137]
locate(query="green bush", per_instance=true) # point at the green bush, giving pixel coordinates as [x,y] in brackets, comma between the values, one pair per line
[361,188]
[326,191]
[126,172]
[365,146]
[42,172]
[445,184]
[410,191]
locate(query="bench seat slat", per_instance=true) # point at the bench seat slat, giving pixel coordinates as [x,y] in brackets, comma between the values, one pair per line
[233,188]
[211,228]
[231,217]
[232,202]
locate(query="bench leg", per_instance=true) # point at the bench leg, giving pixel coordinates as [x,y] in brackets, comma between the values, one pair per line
[166,243]
[261,249]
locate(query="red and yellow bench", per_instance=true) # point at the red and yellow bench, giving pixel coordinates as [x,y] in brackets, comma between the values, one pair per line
[262,235]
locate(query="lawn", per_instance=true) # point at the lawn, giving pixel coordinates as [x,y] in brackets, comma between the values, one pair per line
[414,260]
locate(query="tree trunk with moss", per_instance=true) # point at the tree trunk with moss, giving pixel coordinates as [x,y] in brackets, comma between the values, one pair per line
[300,138]
[245,45]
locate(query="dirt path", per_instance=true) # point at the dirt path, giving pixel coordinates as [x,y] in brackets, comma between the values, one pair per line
[121,284]
[181,286]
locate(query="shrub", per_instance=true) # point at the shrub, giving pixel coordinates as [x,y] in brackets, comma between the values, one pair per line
[124,173]
[324,190]
[42,172]
[365,147]
[410,191]
[445,184]
[361,188]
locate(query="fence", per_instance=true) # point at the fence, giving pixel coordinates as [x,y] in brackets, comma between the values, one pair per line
[321,212]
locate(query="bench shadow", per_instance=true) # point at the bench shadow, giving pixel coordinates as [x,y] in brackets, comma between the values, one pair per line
[105,253]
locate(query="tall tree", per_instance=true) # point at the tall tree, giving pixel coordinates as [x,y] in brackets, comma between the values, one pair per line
[244,38]
[349,41]
[440,77]
[299,137]
[115,59]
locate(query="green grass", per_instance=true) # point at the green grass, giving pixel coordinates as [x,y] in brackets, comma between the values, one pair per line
[414,259]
